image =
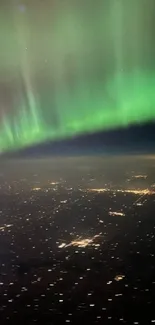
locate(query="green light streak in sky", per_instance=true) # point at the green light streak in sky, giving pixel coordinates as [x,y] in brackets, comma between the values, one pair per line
[68,76]
[85,112]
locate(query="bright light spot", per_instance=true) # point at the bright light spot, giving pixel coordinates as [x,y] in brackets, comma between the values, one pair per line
[109,282]
[140,176]
[62,245]
[99,190]
[113,213]
[5,226]
[54,183]
[119,277]
[133,191]
[80,242]
[36,189]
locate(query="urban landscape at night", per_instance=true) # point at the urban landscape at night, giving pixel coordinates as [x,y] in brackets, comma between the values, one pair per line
[77,241]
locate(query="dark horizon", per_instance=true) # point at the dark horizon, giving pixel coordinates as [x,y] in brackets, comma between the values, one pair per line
[134,140]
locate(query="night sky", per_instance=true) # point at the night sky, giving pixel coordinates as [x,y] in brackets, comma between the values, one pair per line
[74,67]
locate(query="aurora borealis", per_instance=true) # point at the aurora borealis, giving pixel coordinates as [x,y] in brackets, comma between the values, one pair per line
[73,67]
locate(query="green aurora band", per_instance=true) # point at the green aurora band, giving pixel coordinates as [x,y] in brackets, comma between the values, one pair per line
[71,77]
